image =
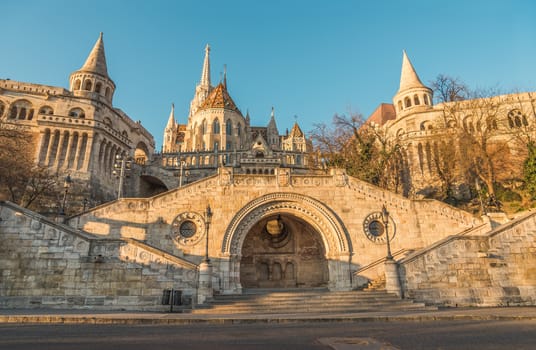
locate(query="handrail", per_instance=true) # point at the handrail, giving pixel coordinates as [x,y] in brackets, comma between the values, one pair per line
[381,260]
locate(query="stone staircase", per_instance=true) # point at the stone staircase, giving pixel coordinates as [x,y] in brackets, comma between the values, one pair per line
[317,301]
[376,285]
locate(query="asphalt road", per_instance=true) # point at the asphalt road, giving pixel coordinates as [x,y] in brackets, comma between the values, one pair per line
[444,335]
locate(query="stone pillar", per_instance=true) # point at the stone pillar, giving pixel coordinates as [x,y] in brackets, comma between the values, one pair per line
[205,282]
[392,279]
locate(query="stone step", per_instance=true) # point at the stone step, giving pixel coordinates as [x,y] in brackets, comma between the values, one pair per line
[307,301]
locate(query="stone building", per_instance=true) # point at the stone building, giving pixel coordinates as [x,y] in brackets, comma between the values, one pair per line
[423,129]
[217,133]
[78,131]
[254,214]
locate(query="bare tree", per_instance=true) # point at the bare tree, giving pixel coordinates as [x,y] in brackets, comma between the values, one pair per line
[363,150]
[21,180]
[448,89]
[480,129]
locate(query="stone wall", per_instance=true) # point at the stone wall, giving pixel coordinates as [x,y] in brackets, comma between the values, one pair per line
[335,204]
[497,268]
[44,264]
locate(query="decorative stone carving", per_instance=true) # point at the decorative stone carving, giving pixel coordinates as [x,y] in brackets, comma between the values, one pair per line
[188,228]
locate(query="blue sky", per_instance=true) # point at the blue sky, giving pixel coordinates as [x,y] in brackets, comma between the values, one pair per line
[309,59]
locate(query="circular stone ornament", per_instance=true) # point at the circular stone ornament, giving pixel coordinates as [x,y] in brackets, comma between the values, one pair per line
[374,228]
[188,228]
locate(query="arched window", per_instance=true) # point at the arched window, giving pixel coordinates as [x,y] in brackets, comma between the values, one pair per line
[215,126]
[77,113]
[516,119]
[204,128]
[98,87]
[426,125]
[87,85]
[510,121]
[77,84]
[416,100]
[13,113]
[239,129]
[229,127]
[21,109]
[46,110]
[407,102]
[400,105]
[426,101]
[107,92]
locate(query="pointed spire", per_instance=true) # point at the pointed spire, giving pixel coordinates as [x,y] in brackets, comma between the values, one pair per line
[205,74]
[96,61]
[296,131]
[271,124]
[225,76]
[171,121]
[408,78]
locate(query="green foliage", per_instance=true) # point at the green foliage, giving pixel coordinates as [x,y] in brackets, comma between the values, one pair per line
[506,195]
[529,170]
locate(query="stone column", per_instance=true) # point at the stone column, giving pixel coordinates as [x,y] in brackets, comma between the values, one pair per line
[205,291]
[392,279]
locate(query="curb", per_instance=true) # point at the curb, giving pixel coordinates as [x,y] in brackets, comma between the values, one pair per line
[52,319]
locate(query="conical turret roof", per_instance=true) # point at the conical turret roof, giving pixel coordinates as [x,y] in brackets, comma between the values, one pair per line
[408,77]
[96,61]
[271,123]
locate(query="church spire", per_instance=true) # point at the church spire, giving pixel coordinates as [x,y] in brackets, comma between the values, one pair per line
[96,61]
[205,74]
[408,77]
[171,121]
[225,76]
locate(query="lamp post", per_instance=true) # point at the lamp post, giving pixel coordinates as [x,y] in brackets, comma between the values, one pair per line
[208,218]
[385,219]
[123,164]
[66,185]
[392,278]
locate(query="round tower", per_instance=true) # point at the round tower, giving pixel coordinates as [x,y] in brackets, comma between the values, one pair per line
[92,80]
[412,94]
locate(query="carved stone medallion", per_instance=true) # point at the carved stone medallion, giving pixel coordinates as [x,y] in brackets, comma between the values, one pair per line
[374,228]
[188,228]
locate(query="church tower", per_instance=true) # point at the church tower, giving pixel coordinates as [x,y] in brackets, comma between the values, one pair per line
[272,134]
[92,80]
[170,133]
[204,87]
[412,94]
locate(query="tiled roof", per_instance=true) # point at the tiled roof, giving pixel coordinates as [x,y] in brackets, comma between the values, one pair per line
[219,98]
[296,131]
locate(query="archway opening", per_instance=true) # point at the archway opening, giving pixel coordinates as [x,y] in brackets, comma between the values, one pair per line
[283,251]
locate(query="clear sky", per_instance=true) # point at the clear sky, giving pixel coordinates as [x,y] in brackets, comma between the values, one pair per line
[309,59]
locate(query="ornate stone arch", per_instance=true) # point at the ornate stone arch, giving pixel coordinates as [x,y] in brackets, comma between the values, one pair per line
[334,235]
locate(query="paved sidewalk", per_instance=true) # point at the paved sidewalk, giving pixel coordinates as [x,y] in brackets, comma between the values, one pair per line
[128,317]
